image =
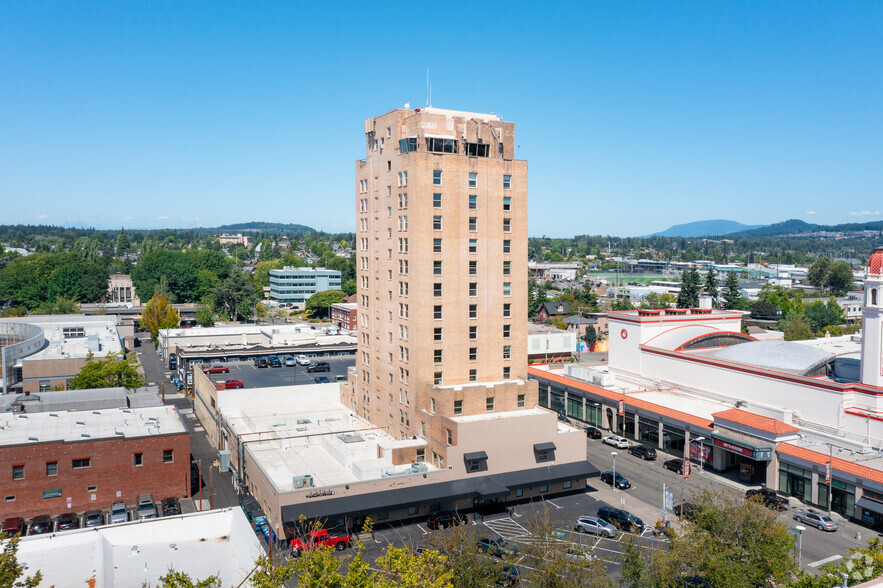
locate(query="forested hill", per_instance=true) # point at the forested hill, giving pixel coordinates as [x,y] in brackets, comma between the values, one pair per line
[799,227]
[256,226]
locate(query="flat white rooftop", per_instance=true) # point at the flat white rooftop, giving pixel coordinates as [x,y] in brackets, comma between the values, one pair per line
[100,337]
[295,431]
[219,542]
[85,425]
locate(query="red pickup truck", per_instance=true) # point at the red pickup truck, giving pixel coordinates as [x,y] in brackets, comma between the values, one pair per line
[318,539]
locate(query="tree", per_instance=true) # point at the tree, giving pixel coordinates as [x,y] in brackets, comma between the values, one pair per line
[821,314]
[205,312]
[765,311]
[175,579]
[622,304]
[862,565]
[711,285]
[158,314]
[688,297]
[817,275]
[796,328]
[319,303]
[658,301]
[586,300]
[235,296]
[207,281]
[732,295]
[109,372]
[122,243]
[10,570]
[590,337]
[176,267]
[840,278]
[348,287]
[60,305]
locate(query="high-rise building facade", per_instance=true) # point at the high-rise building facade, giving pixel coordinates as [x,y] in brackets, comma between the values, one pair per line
[441,247]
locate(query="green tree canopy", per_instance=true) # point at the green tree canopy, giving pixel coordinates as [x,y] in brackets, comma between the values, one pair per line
[711,285]
[817,275]
[732,295]
[823,314]
[109,372]
[176,267]
[840,278]
[11,572]
[235,296]
[688,297]
[796,328]
[319,303]
[158,314]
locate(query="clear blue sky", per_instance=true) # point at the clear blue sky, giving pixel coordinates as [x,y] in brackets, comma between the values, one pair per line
[632,116]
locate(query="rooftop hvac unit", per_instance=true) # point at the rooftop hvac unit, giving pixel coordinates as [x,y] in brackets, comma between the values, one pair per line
[302,481]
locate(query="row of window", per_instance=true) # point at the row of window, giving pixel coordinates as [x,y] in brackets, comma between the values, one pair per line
[473,179]
[473,224]
[437,198]
[18,470]
[473,353]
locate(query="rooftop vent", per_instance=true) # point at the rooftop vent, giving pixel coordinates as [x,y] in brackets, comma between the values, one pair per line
[304,421]
[82,423]
[85,435]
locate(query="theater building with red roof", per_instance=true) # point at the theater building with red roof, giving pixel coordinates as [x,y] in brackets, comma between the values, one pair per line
[805,418]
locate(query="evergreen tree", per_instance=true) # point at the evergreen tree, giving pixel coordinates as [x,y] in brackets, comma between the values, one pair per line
[590,337]
[732,296]
[711,285]
[688,297]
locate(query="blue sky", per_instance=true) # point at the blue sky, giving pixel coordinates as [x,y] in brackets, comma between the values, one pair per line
[633,116]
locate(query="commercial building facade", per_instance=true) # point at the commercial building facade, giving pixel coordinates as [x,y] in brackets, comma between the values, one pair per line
[294,285]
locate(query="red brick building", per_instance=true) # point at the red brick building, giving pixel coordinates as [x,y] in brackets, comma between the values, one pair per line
[76,461]
[343,315]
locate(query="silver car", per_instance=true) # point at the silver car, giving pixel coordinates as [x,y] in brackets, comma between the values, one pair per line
[118,513]
[616,441]
[816,519]
[146,507]
[594,525]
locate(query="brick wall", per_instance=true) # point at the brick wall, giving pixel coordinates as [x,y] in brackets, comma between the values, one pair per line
[111,470]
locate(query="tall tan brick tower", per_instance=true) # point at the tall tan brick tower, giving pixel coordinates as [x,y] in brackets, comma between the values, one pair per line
[441,245]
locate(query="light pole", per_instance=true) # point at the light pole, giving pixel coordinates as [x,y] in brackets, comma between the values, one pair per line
[800,530]
[701,451]
[613,453]
[596,409]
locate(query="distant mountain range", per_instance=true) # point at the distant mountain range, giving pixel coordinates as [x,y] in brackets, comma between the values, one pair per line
[705,228]
[719,228]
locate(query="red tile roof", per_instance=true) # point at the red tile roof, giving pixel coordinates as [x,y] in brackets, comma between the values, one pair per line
[839,465]
[755,421]
[648,407]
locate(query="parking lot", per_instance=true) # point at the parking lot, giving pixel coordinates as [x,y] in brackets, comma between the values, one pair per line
[254,377]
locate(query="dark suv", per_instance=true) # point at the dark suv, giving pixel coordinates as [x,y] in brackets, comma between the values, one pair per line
[769,498]
[643,451]
[443,519]
[319,366]
[621,518]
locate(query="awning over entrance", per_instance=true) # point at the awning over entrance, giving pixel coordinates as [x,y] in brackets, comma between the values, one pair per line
[742,448]
[871,505]
[482,487]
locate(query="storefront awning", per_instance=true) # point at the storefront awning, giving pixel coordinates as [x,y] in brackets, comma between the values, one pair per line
[742,448]
[871,505]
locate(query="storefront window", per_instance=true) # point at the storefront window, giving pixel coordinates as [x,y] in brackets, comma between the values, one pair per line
[544,395]
[594,412]
[575,407]
[796,482]
[557,400]
[673,439]
[648,431]
[842,497]
[626,425]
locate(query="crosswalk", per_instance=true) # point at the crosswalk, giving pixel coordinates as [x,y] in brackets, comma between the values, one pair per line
[507,528]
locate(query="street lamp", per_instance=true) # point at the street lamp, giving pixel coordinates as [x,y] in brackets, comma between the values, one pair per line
[800,530]
[613,453]
[701,451]
[596,414]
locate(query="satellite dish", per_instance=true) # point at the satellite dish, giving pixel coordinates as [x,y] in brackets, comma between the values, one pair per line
[407,105]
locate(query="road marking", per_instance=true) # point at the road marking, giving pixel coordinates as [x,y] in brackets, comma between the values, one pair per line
[816,564]
[553,504]
[199,429]
[425,532]
[507,528]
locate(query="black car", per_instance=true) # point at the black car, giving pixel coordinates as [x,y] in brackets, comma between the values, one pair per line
[675,465]
[621,482]
[621,518]
[261,362]
[171,506]
[593,433]
[688,510]
[68,520]
[444,519]
[274,361]
[173,361]
[41,524]
[643,451]
[769,498]
[319,366]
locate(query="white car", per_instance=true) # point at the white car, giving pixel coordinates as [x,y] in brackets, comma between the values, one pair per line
[303,360]
[616,441]
[595,526]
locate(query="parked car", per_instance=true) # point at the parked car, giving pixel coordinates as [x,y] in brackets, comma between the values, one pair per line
[173,361]
[233,383]
[621,518]
[317,539]
[322,379]
[13,526]
[288,360]
[302,360]
[40,524]
[146,508]
[593,433]
[616,441]
[93,518]
[816,519]
[643,451]
[675,465]
[688,510]
[261,362]
[578,555]
[769,498]
[274,362]
[68,520]
[594,525]
[118,513]
[171,506]
[508,576]
[621,482]
[499,547]
[216,368]
[446,518]
[340,378]
[319,366]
